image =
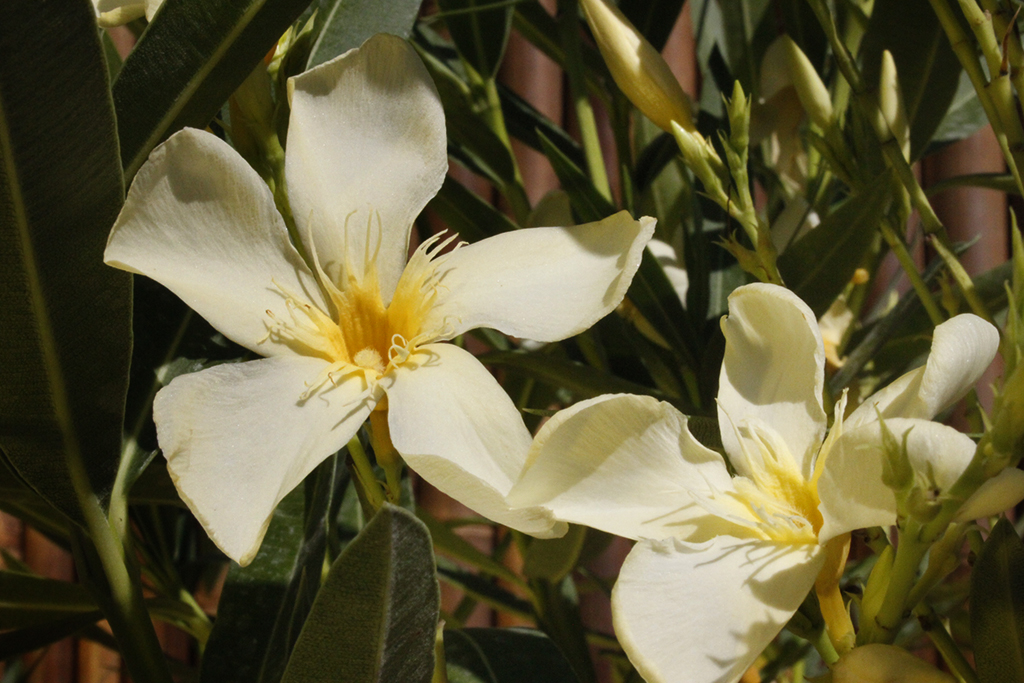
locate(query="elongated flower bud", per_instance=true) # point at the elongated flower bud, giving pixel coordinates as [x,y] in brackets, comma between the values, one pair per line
[638,69]
[809,87]
[890,100]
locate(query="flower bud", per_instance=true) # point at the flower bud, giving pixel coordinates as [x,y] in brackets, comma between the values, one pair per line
[638,69]
[809,87]
[879,663]
[111,13]
[890,100]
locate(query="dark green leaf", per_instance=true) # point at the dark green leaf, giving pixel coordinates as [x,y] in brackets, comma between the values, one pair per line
[653,18]
[504,655]
[467,214]
[20,641]
[375,617]
[589,204]
[928,70]
[189,60]
[347,23]
[582,380]
[456,547]
[553,558]
[965,115]
[523,121]
[819,265]
[997,607]
[482,589]
[27,600]
[480,31]
[65,340]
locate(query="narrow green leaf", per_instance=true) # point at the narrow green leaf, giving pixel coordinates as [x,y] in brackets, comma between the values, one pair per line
[554,558]
[997,607]
[189,60]
[582,380]
[504,655]
[589,204]
[375,616]
[456,547]
[964,118]
[65,340]
[524,121]
[347,23]
[926,65]
[482,589]
[819,265]
[467,214]
[27,600]
[480,30]
[23,640]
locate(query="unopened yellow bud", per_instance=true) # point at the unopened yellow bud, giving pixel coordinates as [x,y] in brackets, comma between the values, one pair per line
[638,69]
[890,100]
[878,663]
[809,87]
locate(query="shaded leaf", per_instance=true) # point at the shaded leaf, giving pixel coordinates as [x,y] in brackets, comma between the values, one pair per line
[588,203]
[381,593]
[964,118]
[504,655]
[553,558]
[524,121]
[65,341]
[482,589]
[480,30]
[347,23]
[28,600]
[653,18]
[467,214]
[583,381]
[818,265]
[997,607]
[189,60]
[456,547]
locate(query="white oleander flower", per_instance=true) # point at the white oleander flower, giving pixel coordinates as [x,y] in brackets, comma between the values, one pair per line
[723,561]
[354,328]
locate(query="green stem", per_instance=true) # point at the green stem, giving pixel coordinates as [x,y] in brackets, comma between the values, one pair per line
[513,191]
[366,480]
[569,32]
[882,628]
[963,280]
[910,268]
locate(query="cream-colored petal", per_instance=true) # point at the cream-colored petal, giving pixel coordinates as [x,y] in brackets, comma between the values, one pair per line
[881,663]
[623,464]
[689,613]
[458,429]
[544,284]
[772,375]
[199,221]
[367,150]
[851,490]
[238,438]
[962,349]
[999,493]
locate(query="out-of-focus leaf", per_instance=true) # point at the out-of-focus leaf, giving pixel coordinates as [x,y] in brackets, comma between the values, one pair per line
[456,547]
[18,499]
[819,265]
[587,202]
[347,23]
[504,655]
[27,600]
[23,640]
[1001,182]
[482,589]
[467,214]
[997,607]
[65,341]
[187,63]
[964,118]
[264,605]
[653,18]
[582,380]
[382,595]
[553,558]
[540,28]
[928,70]
[523,121]
[480,31]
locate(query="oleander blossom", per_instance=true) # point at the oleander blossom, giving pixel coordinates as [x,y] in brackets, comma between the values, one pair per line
[723,561]
[346,326]
[117,12]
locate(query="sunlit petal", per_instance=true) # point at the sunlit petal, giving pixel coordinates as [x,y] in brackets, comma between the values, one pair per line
[201,222]
[543,284]
[238,438]
[458,429]
[962,349]
[689,613]
[623,464]
[772,374]
[367,150]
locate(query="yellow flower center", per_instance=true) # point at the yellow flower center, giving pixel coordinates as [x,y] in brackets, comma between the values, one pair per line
[360,335]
